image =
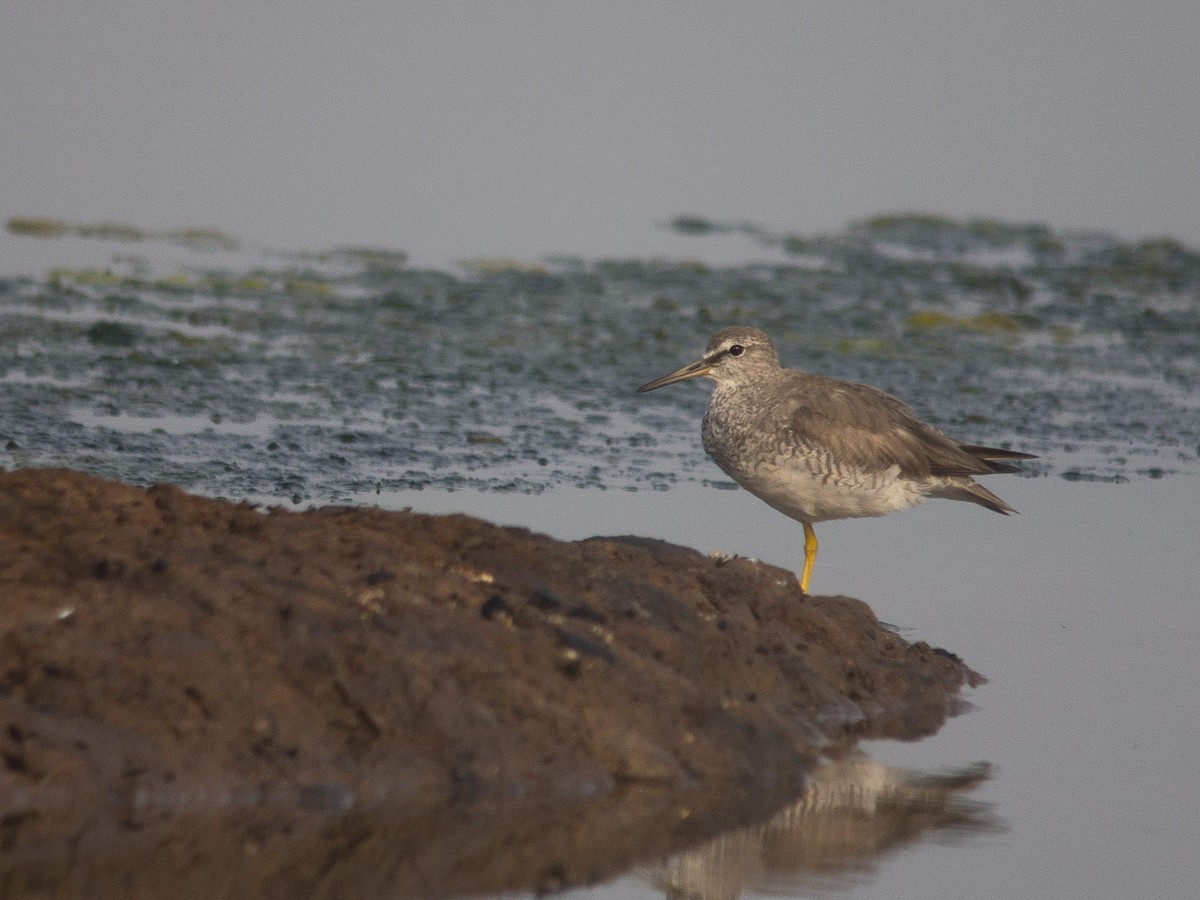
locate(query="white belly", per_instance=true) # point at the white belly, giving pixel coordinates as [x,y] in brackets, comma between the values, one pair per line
[800,494]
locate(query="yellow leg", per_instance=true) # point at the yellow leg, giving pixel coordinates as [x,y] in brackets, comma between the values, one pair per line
[810,555]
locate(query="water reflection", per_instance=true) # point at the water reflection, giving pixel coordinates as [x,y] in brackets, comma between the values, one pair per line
[287,843]
[852,812]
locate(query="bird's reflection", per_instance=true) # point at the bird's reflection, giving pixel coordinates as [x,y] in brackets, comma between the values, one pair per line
[282,841]
[852,812]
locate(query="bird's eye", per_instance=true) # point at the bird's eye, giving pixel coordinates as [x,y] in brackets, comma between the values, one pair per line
[737,350]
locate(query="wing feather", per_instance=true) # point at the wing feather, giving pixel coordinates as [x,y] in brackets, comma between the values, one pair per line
[871,431]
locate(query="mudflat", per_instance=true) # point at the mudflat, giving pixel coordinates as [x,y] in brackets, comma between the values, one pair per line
[200,693]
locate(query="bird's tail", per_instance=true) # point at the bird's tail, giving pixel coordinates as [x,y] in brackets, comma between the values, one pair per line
[973,492]
[994,457]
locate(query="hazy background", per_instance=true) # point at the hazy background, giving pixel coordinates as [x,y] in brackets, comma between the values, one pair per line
[524,128]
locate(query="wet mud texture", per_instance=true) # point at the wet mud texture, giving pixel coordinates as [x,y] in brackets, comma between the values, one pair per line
[196,692]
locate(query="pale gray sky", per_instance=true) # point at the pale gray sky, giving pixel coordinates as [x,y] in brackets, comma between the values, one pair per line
[525,128]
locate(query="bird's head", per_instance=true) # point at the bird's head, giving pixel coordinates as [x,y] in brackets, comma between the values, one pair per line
[732,354]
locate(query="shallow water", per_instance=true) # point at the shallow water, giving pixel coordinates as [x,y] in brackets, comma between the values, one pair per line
[506,391]
[1082,611]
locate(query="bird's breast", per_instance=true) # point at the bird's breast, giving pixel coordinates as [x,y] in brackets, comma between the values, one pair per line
[744,434]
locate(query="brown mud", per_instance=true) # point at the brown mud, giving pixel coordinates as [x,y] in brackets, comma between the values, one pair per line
[228,701]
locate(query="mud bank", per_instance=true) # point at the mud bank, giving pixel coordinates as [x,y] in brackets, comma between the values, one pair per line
[311,690]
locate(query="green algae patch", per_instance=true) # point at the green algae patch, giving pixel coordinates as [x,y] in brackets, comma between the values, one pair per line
[223,285]
[60,277]
[985,323]
[1062,334]
[988,280]
[496,265]
[44,227]
[695,225]
[177,281]
[251,284]
[371,257]
[28,226]
[1148,265]
[933,229]
[994,323]
[866,346]
[376,259]
[931,318]
[113,231]
[309,287]
[886,223]
[201,238]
